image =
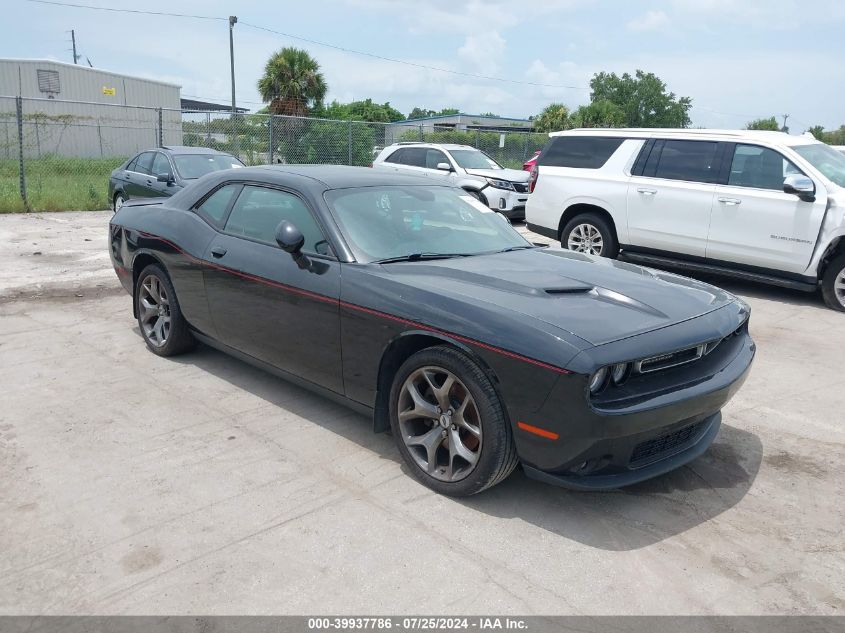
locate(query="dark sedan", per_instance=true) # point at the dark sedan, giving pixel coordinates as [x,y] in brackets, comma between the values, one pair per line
[414,303]
[163,171]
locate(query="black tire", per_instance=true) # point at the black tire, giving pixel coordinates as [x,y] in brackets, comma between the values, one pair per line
[115,206]
[834,297]
[478,196]
[179,338]
[609,247]
[497,458]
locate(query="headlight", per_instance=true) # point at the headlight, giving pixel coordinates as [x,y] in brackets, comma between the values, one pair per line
[598,380]
[500,184]
[619,373]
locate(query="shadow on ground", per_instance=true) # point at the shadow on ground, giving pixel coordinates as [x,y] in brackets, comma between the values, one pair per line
[626,519]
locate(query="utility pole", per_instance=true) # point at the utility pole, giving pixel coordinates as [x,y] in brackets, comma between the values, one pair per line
[233,19]
[73,39]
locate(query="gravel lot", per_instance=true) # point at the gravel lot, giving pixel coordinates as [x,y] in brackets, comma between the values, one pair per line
[139,485]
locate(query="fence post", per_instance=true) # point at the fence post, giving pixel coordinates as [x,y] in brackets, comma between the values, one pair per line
[422,136]
[21,171]
[349,162]
[272,140]
[476,139]
[525,149]
[208,129]
[160,128]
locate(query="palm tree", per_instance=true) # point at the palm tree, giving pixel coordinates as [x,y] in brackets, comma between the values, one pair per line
[292,83]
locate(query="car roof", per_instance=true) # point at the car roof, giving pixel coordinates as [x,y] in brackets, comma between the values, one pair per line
[781,138]
[187,149]
[449,146]
[333,176]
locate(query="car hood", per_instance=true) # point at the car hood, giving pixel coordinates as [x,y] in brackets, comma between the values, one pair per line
[511,175]
[596,299]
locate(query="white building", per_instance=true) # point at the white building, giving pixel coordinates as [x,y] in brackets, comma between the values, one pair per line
[74,110]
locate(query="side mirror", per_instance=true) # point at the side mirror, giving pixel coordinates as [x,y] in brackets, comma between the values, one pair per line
[165,177]
[444,167]
[801,186]
[291,240]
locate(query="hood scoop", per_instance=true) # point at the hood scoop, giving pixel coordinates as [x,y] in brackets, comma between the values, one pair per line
[572,289]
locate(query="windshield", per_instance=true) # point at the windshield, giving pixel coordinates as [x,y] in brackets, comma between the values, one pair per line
[192,166]
[826,159]
[394,221]
[473,159]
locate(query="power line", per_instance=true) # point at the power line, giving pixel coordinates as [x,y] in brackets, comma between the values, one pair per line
[312,41]
[113,10]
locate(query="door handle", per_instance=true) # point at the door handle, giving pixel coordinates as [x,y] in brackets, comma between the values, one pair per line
[218,251]
[729,201]
[647,192]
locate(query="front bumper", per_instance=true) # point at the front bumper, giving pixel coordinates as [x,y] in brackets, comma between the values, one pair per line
[618,443]
[509,203]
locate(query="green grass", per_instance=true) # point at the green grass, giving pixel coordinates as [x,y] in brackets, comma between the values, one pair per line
[57,183]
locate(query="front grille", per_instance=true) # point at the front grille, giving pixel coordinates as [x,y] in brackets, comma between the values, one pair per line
[520,187]
[653,449]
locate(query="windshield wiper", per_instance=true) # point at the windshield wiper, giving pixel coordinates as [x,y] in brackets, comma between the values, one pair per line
[416,257]
[517,248]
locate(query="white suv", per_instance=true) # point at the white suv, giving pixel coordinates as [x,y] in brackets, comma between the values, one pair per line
[762,206]
[503,190]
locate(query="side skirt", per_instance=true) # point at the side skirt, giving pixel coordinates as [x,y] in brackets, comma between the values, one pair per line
[714,269]
[284,375]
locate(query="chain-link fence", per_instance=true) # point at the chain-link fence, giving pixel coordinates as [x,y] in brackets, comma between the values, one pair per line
[58,155]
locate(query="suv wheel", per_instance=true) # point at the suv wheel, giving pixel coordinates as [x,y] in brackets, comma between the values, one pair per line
[833,283]
[589,233]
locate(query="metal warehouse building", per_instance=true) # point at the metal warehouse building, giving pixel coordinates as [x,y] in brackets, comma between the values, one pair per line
[74,110]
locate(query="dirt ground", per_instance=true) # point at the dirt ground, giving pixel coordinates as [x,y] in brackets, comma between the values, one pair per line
[133,484]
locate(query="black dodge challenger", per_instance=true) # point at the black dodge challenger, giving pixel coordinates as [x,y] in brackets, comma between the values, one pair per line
[412,302]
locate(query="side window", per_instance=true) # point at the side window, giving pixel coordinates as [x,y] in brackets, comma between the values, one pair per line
[213,209]
[132,166]
[258,211]
[693,161]
[760,167]
[414,156]
[395,157]
[161,165]
[145,163]
[585,152]
[433,157]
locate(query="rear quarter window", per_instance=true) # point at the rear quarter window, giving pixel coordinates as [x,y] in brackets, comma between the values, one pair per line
[583,152]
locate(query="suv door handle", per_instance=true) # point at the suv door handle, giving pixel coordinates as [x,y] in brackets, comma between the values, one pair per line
[218,251]
[729,201]
[647,192]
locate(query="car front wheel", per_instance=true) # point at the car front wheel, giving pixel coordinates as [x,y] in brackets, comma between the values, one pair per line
[449,423]
[589,233]
[833,284]
[118,202]
[160,319]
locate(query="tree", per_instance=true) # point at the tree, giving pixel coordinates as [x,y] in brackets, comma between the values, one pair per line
[601,113]
[763,124]
[818,132]
[292,83]
[422,113]
[364,110]
[553,118]
[642,98]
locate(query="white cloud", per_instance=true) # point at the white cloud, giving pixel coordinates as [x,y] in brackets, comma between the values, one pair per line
[483,51]
[650,21]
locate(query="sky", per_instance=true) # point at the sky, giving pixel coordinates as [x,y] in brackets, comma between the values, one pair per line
[737,59]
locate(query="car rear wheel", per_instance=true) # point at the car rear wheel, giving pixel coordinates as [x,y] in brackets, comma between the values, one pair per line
[118,202]
[160,319]
[589,233]
[449,423]
[833,284]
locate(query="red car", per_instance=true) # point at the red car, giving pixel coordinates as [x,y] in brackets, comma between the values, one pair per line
[527,165]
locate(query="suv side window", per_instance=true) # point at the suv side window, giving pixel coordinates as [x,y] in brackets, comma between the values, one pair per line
[585,152]
[259,210]
[433,157]
[395,157]
[213,208]
[759,167]
[694,161]
[145,163]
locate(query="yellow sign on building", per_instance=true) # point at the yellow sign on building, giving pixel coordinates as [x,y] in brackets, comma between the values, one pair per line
[109,91]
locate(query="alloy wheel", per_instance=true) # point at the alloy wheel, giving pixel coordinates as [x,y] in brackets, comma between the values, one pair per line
[118,202]
[440,423]
[155,311]
[839,287]
[585,238]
